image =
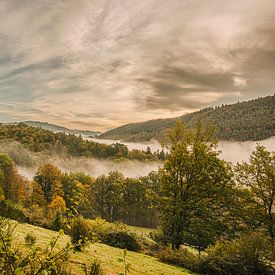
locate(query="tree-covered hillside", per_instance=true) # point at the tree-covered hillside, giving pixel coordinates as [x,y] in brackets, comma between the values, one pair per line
[40,140]
[250,120]
[61,129]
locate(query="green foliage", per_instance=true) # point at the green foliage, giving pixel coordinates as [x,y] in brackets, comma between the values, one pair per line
[193,197]
[18,152]
[249,254]
[75,185]
[181,257]
[127,265]
[95,268]
[251,120]
[116,235]
[58,222]
[11,210]
[30,239]
[6,174]
[80,233]
[116,198]
[122,239]
[194,189]
[258,177]
[35,260]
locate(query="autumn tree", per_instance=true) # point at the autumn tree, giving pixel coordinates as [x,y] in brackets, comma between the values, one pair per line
[57,204]
[49,179]
[37,195]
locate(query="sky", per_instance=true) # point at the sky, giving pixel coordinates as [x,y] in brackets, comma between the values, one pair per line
[98,64]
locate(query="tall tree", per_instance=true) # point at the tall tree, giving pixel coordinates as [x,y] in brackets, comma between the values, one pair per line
[258,176]
[193,187]
[6,174]
[49,179]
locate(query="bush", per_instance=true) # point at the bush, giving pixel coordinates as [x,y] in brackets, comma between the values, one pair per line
[181,257]
[122,240]
[116,235]
[30,240]
[13,211]
[159,237]
[38,216]
[33,260]
[80,232]
[249,254]
[95,268]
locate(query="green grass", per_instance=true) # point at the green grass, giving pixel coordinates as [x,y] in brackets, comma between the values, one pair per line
[143,231]
[109,256]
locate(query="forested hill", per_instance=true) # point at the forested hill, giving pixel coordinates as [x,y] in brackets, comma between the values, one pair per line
[57,128]
[250,120]
[45,141]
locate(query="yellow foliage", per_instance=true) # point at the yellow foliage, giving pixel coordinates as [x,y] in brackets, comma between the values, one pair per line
[57,203]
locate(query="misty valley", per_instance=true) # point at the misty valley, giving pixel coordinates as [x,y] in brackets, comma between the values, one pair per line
[137,137]
[187,200]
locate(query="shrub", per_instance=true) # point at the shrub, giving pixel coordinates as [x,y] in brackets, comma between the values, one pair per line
[33,260]
[80,232]
[30,240]
[12,210]
[158,237]
[248,254]
[57,222]
[117,235]
[37,216]
[122,240]
[181,257]
[95,268]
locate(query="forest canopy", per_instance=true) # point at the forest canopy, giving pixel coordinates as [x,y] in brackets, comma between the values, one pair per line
[41,140]
[242,121]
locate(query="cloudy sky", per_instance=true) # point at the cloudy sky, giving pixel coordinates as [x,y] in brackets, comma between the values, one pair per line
[97,64]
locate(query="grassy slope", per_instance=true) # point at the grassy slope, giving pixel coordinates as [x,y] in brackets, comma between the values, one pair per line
[140,263]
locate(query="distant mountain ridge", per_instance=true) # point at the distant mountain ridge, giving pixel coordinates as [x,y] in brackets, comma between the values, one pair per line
[57,128]
[242,121]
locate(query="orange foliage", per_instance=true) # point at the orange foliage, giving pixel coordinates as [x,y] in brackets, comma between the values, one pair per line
[57,203]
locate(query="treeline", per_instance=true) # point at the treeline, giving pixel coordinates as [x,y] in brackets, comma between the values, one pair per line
[242,121]
[38,140]
[52,192]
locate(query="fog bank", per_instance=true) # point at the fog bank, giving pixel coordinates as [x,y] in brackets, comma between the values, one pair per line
[154,145]
[231,151]
[27,161]
[240,151]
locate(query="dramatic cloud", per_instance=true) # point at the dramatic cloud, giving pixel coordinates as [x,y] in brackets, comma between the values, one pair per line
[96,64]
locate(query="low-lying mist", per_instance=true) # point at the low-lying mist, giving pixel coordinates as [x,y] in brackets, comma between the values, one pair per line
[27,161]
[231,151]
[240,151]
[95,167]
[154,145]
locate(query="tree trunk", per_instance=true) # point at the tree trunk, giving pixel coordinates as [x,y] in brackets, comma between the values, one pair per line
[271,231]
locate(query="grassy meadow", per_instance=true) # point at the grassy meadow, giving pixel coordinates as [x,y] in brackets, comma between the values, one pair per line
[107,255]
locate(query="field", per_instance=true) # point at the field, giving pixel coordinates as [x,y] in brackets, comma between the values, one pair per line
[108,256]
